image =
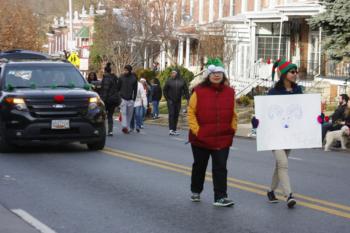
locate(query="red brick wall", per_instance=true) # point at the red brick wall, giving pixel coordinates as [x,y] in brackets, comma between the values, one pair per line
[216,9]
[250,5]
[206,11]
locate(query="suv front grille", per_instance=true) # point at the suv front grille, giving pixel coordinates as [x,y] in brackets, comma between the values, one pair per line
[45,107]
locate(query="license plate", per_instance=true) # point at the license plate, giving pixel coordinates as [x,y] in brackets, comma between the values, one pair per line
[60,124]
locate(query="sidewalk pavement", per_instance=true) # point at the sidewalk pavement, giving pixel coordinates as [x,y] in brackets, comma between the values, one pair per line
[243,129]
[11,223]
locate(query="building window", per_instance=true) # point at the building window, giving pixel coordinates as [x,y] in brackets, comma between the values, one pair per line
[268,47]
[268,41]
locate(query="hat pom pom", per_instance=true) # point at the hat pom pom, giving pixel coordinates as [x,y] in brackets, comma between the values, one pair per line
[211,68]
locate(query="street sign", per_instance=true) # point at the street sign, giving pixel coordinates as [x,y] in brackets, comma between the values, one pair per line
[74,59]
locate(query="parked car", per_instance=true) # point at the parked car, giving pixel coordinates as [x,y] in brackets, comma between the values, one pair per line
[44,100]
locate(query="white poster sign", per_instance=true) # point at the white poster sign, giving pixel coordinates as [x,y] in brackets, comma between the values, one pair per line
[288,121]
[84,64]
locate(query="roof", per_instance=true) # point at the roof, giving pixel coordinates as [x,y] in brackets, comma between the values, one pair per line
[84,32]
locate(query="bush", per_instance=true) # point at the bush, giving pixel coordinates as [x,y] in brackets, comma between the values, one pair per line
[185,74]
[244,100]
[148,74]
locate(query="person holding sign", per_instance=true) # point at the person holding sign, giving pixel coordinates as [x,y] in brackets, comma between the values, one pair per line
[286,85]
[213,123]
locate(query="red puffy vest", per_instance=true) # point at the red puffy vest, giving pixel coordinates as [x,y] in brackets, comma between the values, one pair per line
[214,113]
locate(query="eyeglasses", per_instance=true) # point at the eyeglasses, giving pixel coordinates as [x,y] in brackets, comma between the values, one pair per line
[293,72]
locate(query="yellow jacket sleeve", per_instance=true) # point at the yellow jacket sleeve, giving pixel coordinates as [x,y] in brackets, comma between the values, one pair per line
[191,114]
[234,121]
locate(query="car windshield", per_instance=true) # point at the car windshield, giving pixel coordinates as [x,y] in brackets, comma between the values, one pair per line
[43,76]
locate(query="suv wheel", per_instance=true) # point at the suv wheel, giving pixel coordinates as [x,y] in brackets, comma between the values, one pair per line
[100,143]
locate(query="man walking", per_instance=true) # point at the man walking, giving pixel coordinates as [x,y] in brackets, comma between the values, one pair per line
[127,87]
[173,90]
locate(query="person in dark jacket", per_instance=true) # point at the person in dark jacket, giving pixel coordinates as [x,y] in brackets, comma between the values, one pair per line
[337,117]
[174,88]
[213,122]
[156,96]
[127,87]
[110,95]
[93,80]
[286,85]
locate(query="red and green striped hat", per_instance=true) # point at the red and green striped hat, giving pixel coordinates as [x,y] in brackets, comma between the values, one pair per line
[283,67]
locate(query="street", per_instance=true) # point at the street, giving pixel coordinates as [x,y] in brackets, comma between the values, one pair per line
[140,183]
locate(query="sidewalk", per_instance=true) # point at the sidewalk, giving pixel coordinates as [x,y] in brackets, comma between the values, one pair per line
[242,131]
[11,223]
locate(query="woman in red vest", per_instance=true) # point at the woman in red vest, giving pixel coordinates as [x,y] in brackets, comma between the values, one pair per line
[213,123]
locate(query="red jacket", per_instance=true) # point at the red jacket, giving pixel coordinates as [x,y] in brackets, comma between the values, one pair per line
[214,114]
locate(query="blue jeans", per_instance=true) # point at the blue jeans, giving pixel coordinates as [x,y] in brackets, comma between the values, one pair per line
[139,116]
[155,108]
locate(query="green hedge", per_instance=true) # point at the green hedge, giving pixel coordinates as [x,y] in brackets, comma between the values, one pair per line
[148,74]
[185,74]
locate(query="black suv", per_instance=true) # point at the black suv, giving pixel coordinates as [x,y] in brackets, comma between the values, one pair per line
[43,100]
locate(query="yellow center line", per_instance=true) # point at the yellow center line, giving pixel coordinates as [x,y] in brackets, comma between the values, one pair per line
[232,182]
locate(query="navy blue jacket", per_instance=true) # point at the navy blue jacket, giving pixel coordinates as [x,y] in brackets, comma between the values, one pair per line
[283,91]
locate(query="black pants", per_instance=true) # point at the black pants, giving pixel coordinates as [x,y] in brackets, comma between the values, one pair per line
[219,170]
[174,110]
[110,111]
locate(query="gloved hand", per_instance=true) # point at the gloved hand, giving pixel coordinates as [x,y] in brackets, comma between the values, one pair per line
[255,122]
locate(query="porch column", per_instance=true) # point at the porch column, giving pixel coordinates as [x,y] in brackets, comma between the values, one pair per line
[220,8]
[145,58]
[252,48]
[169,53]
[180,52]
[162,56]
[183,7]
[191,8]
[232,12]
[244,6]
[187,63]
[257,5]
[211,10]
[200,13]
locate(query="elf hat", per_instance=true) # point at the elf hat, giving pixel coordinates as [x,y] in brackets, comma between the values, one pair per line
[214,65]
[283,67]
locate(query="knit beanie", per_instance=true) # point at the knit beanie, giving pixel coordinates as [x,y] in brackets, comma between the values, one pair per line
[214,65]
[108,68]
[283,67]
[128,68]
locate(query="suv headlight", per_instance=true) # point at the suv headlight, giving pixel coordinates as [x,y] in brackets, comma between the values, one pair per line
[94,103]
[17,103]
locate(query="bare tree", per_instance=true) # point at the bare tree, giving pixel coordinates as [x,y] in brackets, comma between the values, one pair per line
[19,27]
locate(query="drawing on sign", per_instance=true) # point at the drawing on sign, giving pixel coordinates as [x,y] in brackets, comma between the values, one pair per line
[287,116]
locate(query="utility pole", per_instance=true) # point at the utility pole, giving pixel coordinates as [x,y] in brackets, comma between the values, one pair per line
[70,37]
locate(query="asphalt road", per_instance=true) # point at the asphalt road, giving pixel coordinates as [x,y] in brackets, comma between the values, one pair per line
[140,183]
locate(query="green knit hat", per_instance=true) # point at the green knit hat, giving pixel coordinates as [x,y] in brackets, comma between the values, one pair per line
[215,65]
[283,67]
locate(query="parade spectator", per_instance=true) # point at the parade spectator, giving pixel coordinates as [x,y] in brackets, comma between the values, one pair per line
[337,117]
[286,85]
[110,95]
[140,103]
[92,77]
[147,89]
[127,86]
[213,122]
[156,96]
[174,89]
